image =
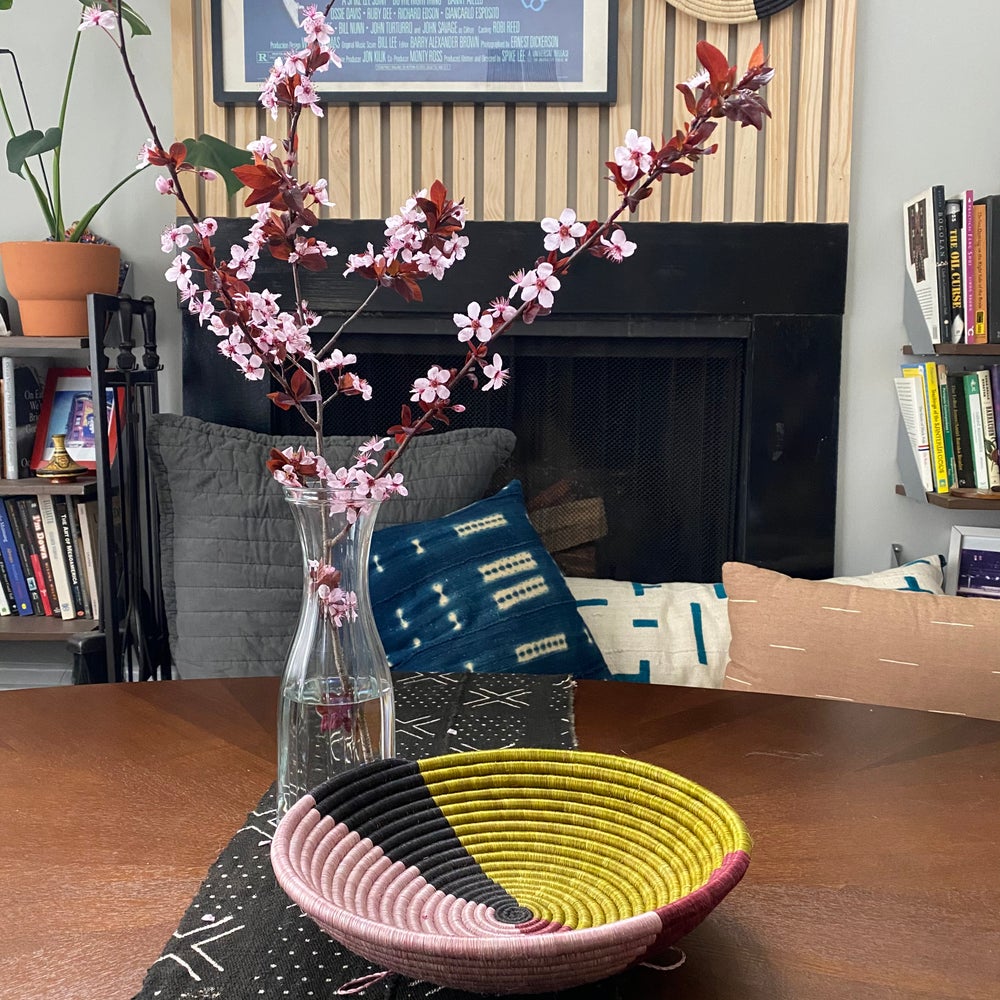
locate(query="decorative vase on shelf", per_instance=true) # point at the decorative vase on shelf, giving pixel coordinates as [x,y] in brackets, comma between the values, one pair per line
[51,281]
[336,708]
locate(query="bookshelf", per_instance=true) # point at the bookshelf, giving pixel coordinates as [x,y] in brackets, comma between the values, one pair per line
[920,346]
[128,638]
[71,351]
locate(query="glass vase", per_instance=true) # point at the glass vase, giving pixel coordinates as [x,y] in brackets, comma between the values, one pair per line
[336,707]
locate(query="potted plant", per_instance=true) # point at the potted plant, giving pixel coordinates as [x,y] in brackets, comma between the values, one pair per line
[51,277]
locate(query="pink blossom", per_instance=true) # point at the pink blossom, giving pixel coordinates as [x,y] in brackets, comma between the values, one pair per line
[634,157]
[165,185]
[206,228]
[540,284]
[618,247]
[174,237]
[433,388]
[180,271]
[502,309]
[244,262]
[263,147]
[473,324]
[563,232]
[306,95]
[496,374]
[98,17]
[314,25]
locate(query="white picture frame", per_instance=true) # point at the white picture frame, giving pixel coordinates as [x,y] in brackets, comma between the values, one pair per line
[973,568]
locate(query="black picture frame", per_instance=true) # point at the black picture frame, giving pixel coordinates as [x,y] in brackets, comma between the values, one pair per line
[589,75]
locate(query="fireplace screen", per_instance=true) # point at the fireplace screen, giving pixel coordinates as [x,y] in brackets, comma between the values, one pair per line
[628,448]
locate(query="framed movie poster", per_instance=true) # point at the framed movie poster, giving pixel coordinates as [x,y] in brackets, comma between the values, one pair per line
[68,408]
[973,568]
[482,51]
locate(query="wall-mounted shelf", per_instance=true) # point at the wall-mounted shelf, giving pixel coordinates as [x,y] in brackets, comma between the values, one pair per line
[958,350]
[18,346]
[42,628]
[32,485]
[951,501]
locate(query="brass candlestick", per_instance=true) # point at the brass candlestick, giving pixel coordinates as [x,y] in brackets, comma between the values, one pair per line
[60,468]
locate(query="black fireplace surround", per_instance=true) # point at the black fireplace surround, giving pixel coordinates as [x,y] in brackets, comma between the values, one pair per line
[695,387]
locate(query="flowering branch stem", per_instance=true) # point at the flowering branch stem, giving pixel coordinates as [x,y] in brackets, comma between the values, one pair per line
[328,346]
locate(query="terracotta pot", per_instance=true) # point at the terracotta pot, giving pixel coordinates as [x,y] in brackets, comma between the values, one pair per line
[51,281]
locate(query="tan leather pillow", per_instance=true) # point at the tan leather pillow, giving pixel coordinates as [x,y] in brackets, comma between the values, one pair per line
[883,647]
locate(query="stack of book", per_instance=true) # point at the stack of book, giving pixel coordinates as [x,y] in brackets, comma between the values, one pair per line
[48,556]
[951,419]
[953,264]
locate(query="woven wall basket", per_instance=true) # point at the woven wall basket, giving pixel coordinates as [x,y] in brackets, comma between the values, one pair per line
[730,11]
[510,871]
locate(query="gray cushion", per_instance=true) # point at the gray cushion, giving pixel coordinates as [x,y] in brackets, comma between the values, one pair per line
[231,563]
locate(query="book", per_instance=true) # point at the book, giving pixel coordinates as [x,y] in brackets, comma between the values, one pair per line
[57,557]
[967,198]
[67,532]
[941,251]
[919,235]
[24,386]
[956,291]
[989,429]
[979,309]
[12,563]
[24,553]
[991,204]
[8,591]
[926,373]
[977,439]
[87,519]
[910,396]
[44,577]
[946,427]
[73,516]
[965,473]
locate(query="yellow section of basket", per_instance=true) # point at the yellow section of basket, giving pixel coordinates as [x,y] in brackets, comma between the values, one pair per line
[584,839]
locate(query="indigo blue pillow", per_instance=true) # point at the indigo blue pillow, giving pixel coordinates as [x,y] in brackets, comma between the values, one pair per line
[476,591]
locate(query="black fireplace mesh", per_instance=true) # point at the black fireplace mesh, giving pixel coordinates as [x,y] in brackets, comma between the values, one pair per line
[628,448]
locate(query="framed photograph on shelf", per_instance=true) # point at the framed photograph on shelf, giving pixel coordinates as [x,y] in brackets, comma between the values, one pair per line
[504,51]
[973,568]
[68,408]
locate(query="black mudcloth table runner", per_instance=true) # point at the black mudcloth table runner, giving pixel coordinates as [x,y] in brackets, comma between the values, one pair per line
[242,938]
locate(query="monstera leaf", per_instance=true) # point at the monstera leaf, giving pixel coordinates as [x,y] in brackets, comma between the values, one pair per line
[207,151]
[30,143]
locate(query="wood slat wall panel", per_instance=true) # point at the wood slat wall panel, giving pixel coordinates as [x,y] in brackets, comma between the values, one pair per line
[525,161]
[370,172]
[778,130]
[713,168]
[745,140]
[338,166]
[807,144]
[431,145]
[463,144]
[841,76]
[556,140]
[654,79]
[685,39]
[809,114]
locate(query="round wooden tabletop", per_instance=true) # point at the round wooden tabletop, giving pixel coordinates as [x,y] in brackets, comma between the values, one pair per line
[875,871]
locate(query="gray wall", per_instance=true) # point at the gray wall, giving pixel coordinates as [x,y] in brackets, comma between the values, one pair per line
[920,86]
[921,117]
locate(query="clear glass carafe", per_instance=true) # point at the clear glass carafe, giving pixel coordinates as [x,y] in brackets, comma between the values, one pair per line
[336,707]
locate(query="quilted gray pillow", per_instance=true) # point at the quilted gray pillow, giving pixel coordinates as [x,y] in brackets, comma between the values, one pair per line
[231,563]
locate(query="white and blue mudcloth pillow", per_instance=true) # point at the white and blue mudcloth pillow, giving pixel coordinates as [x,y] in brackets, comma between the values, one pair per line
[476,591]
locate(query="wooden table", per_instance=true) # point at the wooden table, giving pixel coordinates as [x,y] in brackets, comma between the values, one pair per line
[876,869]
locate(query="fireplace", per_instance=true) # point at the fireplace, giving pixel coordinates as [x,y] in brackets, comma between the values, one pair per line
[674,412]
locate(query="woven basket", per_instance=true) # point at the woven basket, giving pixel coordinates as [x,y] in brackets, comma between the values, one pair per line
[509,871]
